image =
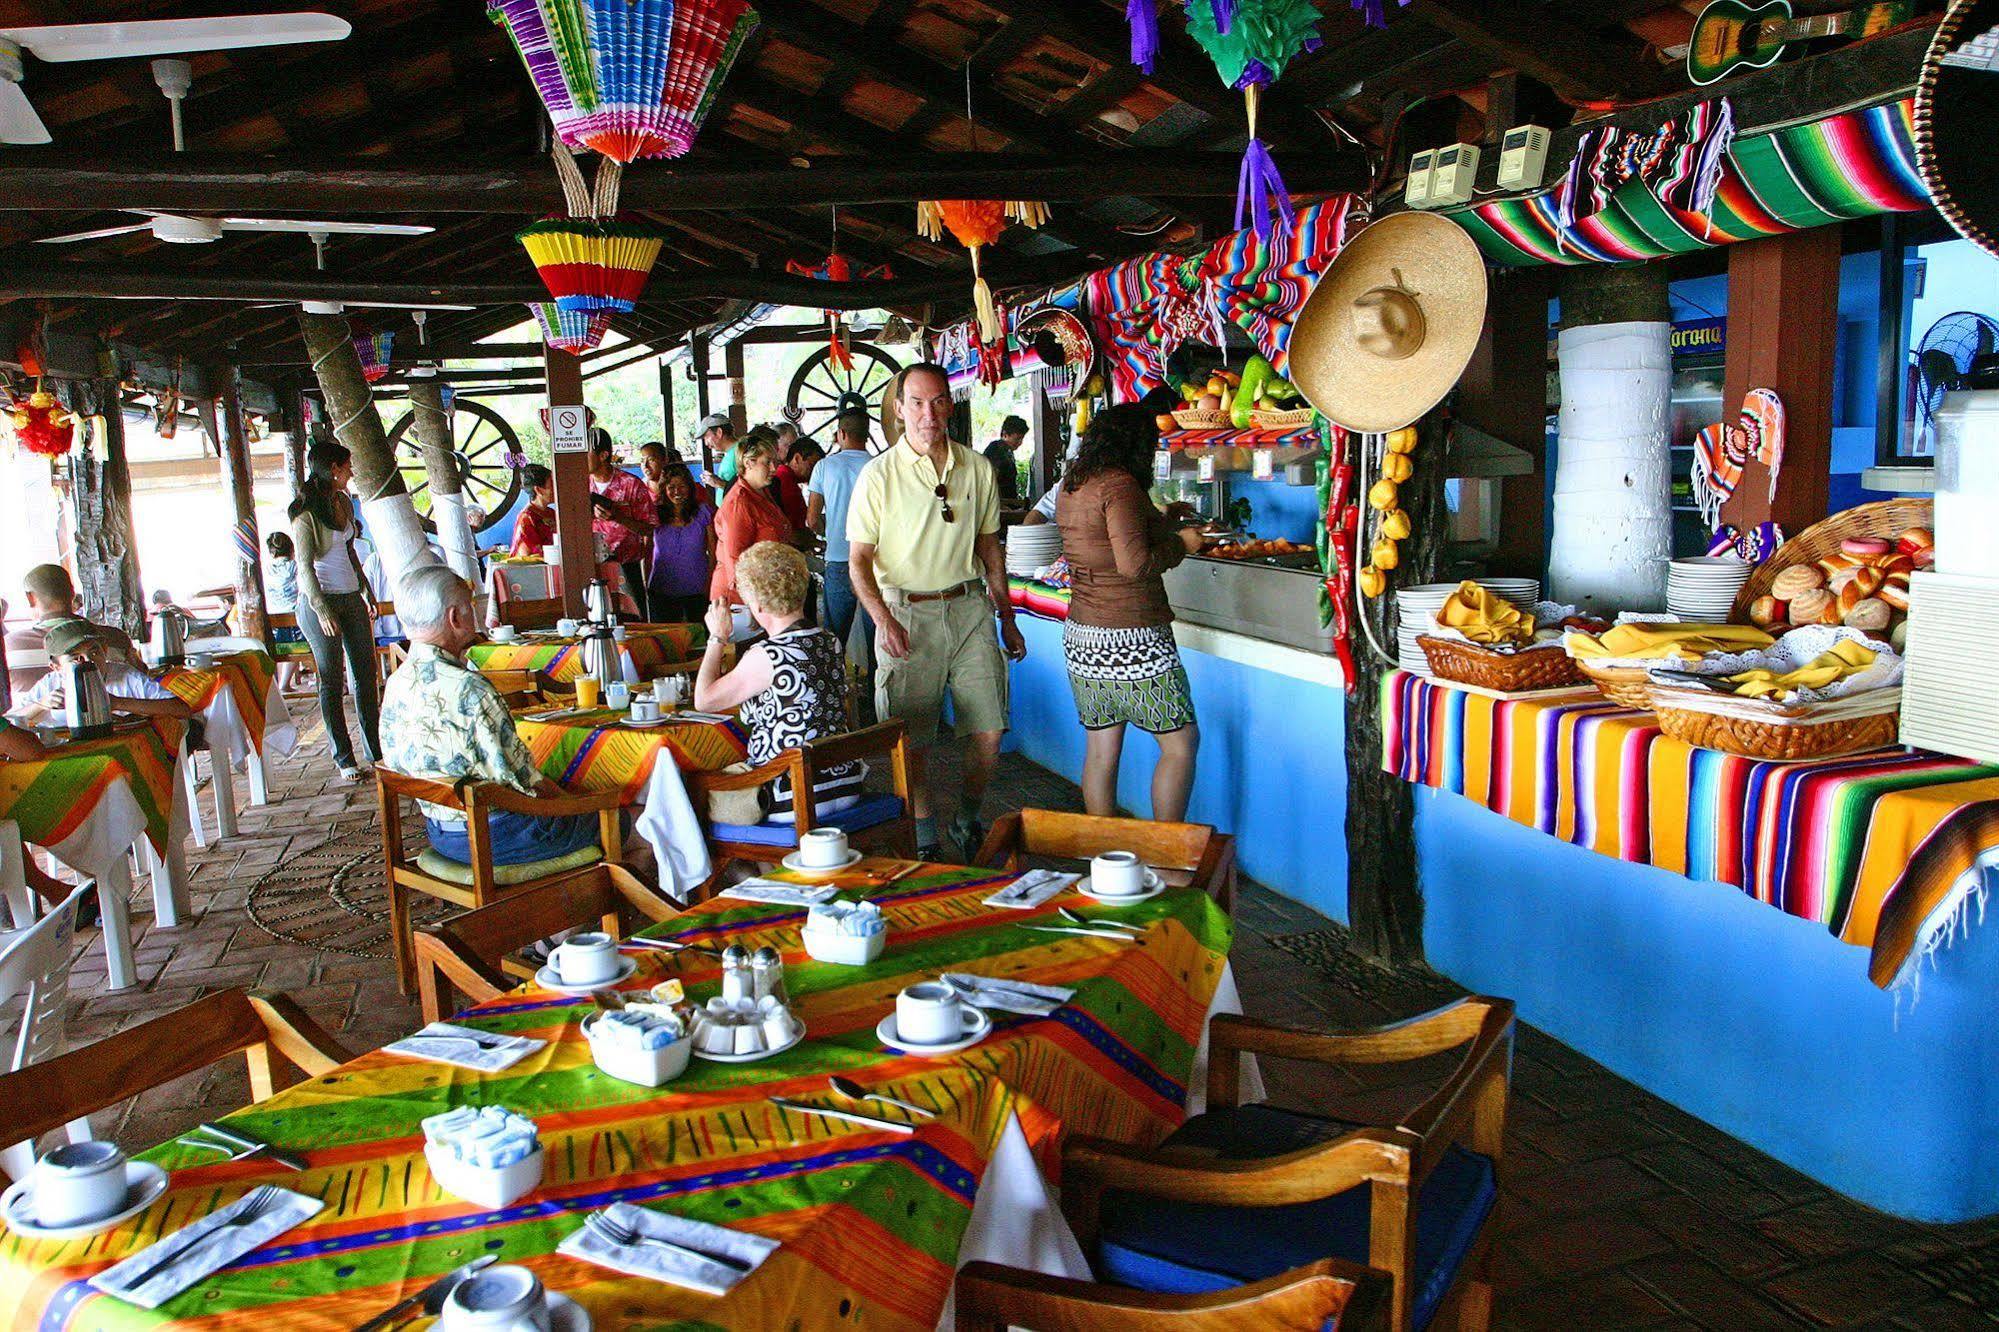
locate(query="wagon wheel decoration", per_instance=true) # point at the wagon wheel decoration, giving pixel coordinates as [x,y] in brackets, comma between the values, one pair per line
[484,446]
[822,389]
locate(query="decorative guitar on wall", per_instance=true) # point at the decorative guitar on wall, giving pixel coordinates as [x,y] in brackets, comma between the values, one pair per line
[1730,35]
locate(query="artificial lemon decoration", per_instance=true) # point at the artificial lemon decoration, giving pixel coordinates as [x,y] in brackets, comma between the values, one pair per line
[1403,440]
[1381,495]
[1372,582]
[1395,523]
[1397,467]
[1385,555]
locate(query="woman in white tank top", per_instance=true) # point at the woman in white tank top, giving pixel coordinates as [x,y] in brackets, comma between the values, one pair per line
[334,612]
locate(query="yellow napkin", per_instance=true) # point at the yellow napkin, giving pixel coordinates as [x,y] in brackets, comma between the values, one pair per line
[1846,657]
[1483,617]
[1667,641]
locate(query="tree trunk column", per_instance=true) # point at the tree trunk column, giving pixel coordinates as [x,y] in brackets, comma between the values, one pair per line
[447,487]
[107,562]
[233,443]
[1613,470]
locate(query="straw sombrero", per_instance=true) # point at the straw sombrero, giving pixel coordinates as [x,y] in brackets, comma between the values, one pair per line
[1390,326]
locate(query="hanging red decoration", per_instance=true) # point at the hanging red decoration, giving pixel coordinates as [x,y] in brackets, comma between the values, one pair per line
[838,267]
[42,425]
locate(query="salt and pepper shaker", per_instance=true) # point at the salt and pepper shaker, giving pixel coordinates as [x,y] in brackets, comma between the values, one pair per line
[737,980]
[767,975]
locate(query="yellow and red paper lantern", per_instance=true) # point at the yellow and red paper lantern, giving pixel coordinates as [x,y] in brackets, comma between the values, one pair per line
[593,265]
[42,425]
[975,224]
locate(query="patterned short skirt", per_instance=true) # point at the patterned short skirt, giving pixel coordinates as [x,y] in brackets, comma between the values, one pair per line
[1127,675]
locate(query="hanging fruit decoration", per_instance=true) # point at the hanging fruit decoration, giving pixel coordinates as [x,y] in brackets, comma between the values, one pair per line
[975,224]
[1384,497]
[375,351]
[41,425]
[569,330]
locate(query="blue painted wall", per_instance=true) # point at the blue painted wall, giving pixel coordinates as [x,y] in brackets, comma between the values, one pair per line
[1761,1023]
[1279,510]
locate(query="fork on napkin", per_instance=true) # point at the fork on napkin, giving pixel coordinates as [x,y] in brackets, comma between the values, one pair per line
[676,1264]
[195,1252]
[465,1047]
[772,892]
[1032,889]
[1009,996]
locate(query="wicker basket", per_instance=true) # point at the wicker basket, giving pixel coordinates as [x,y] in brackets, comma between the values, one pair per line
[1295,419]
[1758,730]
[1506,672]
[1195,418]
[1630,686]
[1882,520]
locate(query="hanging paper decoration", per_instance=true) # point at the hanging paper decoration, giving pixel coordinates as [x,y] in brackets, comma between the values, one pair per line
[375,349]
[569,330]
[1373,13]
[975,224]
[41,425]
[593,265]
[837,267]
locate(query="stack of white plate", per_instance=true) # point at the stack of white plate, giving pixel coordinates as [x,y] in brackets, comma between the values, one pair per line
[1702,590]
[1032,548]
[1417,606]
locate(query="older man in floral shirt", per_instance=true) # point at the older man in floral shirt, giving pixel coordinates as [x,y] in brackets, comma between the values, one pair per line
[443,721]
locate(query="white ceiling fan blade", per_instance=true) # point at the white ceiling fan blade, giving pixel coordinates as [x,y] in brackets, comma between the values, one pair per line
[95,235]
[18,121]
[403,305]
[151,37]
[333,228]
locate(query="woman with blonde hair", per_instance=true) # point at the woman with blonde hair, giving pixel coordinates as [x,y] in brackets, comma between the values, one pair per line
[749,513]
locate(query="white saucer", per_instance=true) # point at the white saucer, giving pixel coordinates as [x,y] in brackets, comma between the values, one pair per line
[854,857]
[1154,886]
[638,725]
[548,980]
[700,1053]
[885,1033]
[144,1183]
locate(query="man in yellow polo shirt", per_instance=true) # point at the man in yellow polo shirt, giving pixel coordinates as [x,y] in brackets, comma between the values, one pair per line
[925,556]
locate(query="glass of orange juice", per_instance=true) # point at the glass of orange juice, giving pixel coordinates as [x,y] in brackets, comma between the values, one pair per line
[589,692]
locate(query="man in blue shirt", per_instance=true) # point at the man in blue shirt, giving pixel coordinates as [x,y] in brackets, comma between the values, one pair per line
[826,499]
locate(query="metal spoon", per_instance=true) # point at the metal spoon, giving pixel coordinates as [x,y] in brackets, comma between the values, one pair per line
[854,1091]
[1075,919]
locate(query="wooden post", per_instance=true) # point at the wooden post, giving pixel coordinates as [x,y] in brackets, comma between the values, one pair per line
[234,446]
[1384,901]
[572,484]
[1504,392]
[1048,443]
[108,584]
[666,407]
[1783,327]
[739,411]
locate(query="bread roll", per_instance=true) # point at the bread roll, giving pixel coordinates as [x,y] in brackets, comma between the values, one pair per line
[1814,606]
[1871,615]
[1767,613]
[1867,582]
[1798,578]
[1895,591]
[1864,547]
[1837,583]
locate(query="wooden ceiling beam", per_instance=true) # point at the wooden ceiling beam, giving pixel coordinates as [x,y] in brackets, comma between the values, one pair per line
[1566,57]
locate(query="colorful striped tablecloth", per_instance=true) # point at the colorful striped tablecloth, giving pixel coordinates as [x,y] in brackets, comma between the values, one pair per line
[1883,849]
[870,1221]
[248,676]
[52,798]
[647,648]
[588,752]
[1034,597]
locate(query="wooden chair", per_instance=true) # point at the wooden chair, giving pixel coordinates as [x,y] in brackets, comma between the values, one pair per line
[1190,853]
[471,953]
[35,965]
[1329,1294]
[1242,1193]
[389,652]
[882,820]
[541,614]
[481,882]
[272,1032]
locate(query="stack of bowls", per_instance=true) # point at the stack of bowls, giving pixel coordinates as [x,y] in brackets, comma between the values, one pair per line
[1702,590]
[1417,606]
[1032,548]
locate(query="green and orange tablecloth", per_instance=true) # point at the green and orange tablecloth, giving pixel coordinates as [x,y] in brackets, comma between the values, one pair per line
[871,1222]
[648,648]
[1884,849]
[55,799]
[590,751]
[246,675]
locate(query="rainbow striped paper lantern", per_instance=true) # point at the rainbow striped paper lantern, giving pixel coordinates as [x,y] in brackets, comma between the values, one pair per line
[593,265]
[569,330]
[375,349]
[627,78]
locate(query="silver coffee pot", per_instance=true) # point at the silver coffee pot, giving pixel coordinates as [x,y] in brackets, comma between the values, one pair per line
[169,641]
[86,703]
[597,602]
[600,654]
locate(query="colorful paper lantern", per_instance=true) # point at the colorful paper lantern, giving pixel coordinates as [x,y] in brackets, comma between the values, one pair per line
[570,330]
[375,349]
[42,425]
[593,265]
[975,224]
[627,78]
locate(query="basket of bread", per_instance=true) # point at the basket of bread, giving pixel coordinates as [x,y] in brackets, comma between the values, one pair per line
[1817,692]
[1480,639]
[1619,660]
[1852,569]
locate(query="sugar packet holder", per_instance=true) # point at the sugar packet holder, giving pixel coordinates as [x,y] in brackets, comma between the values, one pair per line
[1032,889]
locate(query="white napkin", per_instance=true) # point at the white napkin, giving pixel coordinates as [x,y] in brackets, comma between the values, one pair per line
[781,894]
[1009,996]
[465,1053]
[668,823]
[202,1258]
[712,718]
[1032,889]
[650,1260]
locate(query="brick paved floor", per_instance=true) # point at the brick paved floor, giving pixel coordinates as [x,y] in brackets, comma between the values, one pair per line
[1619,1210]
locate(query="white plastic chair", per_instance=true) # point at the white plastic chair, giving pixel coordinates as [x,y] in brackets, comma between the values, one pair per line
[35,965]
[14,876]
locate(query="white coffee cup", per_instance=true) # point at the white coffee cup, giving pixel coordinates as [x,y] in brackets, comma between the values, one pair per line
[79,1182]
[1117,873]
[585,959]
[501,633]
[823,848]
[201,661]
[933,1013]
[644,709]
[499,1299]
[618,633]
[568,628]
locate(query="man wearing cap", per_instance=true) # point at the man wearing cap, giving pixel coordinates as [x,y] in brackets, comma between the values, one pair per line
[131,690]
[925,557]
[717,434]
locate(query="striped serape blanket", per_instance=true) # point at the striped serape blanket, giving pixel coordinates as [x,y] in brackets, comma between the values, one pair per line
[1033,597]
[1886,849]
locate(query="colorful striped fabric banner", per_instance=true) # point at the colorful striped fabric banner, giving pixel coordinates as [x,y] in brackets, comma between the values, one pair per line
[1260,286]
[50,798]
[1302,437]
[590,753]
[1044,601]
[1855,164]
[1873,846]
[870,1222]
[649,648]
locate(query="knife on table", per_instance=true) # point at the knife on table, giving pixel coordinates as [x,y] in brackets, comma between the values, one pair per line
[245,1143]
[1119,935]
[431,1297]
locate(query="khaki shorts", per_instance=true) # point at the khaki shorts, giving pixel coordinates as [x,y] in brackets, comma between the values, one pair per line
[953,647]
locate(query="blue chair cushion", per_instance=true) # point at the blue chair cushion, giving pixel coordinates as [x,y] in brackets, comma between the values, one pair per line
[1188,1248]
[866,813]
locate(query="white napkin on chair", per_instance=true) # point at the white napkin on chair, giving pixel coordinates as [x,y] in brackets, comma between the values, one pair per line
[659,1264]
[668,823]
[772,892]
[201,1258]
[465,1047]
[1032,889]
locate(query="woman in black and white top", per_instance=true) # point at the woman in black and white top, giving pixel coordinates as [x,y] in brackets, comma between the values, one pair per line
[334,611]
[792,686]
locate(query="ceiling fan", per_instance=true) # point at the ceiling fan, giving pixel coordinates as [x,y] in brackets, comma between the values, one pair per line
[19,122]
[183,230]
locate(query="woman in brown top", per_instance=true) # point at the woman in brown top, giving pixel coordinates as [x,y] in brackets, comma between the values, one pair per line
[1123,663]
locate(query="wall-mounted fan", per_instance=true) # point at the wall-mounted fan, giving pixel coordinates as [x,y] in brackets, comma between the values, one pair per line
[1946,355]
[143,37]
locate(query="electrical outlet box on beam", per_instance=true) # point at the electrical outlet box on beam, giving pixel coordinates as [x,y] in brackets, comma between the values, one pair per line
[1452,176]
[1416,190]
[1523,158]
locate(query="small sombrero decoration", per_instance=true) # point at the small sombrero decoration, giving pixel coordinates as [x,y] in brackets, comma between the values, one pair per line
[1060,340]
[1391,325]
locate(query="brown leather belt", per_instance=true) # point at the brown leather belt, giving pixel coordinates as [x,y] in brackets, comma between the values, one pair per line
[949,594]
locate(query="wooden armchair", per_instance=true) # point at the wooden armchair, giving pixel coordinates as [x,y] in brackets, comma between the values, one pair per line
[532,614]
[470,953]
[1330,1294]
[389,652]
[1186,853]
[876,821]
[271,1031]
[480,882]
[1415,1200]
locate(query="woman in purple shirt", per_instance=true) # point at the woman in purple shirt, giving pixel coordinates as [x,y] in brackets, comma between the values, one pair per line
[683,551]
